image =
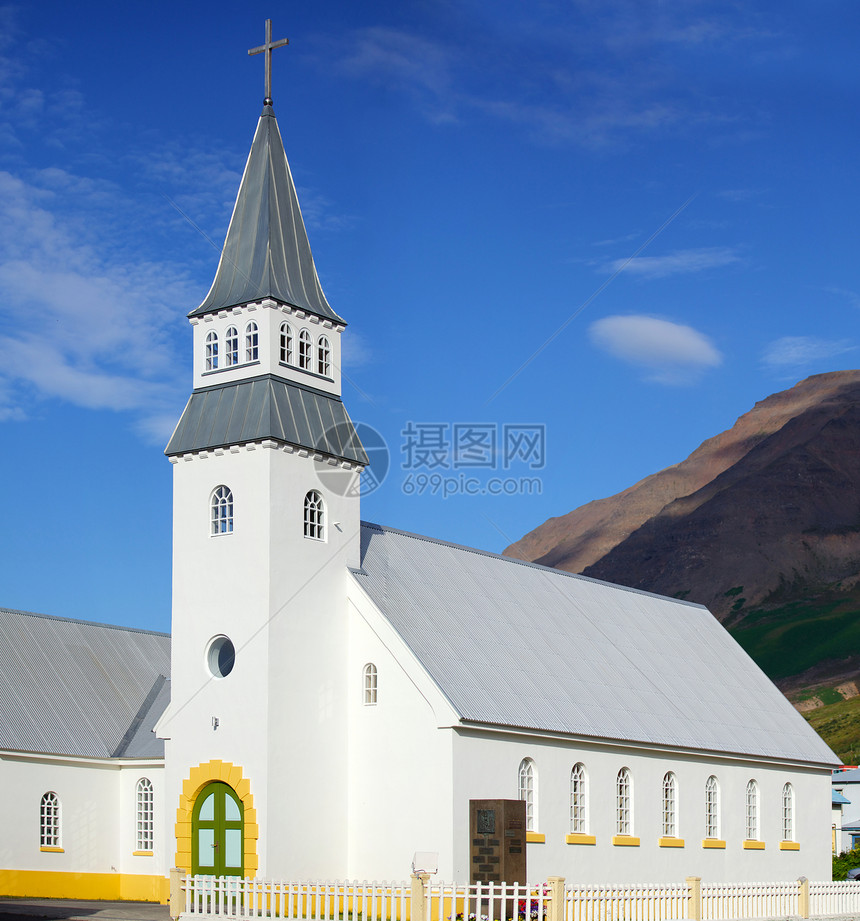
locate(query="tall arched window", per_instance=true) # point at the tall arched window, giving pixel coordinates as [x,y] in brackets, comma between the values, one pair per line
[211,351]
[144,815]
[286,344]
[578,800]
[624,802]
[314,516]
[370,677]
[252,342]
[323,356]
[528,791]
[222,511]
[788,813]
[670,805]
[231,346]
[49,820]
[712,808]
[751,812]
[305,350]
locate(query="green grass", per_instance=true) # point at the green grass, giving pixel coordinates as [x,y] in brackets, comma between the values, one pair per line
[793,637]
[829,696]
[839,725]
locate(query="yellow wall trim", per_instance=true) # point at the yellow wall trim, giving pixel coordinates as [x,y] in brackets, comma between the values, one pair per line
[141,853]
[753,845]
[535,837]
[789,846]
[713,842]
[198,777]
[38,884]
[50,849]
[625,841]
[580,839]
[671,842]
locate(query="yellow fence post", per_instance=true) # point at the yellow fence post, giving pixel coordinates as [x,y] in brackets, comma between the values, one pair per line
[556,898]
[177,902]
[803,897]
[694,887]
[418,901]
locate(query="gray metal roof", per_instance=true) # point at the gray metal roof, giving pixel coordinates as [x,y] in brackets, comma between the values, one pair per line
[71,687]
[266,253]
[521,645]
[852,775]
[266,407]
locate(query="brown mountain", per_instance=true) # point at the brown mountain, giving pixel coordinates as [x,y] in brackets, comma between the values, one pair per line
[772,503]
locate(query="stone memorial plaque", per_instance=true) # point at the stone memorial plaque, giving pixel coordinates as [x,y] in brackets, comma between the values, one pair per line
[497,841]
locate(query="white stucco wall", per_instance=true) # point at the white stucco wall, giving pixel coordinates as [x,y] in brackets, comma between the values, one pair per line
[400,776]
[486,767]
[97,815]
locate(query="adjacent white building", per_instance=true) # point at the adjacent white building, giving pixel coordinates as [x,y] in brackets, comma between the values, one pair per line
[341,690]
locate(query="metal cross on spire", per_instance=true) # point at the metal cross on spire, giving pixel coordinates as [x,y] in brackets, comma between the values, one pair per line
[267,48]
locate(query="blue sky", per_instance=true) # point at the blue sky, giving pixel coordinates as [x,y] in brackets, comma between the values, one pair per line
[475,178]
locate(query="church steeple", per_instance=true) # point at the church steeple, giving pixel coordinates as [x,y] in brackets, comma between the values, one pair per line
[266,253]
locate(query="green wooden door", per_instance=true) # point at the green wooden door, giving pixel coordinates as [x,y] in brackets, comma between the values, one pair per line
[217,832]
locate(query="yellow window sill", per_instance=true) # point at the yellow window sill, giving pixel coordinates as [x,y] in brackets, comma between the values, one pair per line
[753,845]
[671,842]
[141,853]
[713,842]
[789,846]
[580,839]
[52,850]
[535,837]
[625,841]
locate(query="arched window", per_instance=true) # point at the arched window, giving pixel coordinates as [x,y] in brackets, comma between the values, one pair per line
[788,813]
[252,342]
[624,802]
[49,820]
[323,356]
[231,346]
[712,808]
[211,351]
[370,677]
[528,792]
[314,516]
[578,800]
[751,813]
[670,805]
[145,813]
[286,344]
[222,511]
[305,350]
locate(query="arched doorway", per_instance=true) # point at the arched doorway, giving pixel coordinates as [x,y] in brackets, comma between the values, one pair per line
[217,832]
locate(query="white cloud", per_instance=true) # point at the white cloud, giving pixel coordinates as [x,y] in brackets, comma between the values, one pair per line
[670,353]
[798,351]
[681,262]
[81,322]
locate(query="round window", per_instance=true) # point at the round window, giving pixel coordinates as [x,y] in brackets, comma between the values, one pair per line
[221,656]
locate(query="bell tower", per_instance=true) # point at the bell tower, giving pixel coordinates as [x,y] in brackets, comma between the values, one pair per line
[266,464]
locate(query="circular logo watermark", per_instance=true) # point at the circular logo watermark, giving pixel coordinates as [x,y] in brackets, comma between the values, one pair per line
[340,439]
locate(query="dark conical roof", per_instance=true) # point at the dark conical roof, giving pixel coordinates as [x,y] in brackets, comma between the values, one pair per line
[266,253]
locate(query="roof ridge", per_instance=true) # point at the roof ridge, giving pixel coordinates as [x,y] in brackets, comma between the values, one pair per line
[511,559]
[86,623]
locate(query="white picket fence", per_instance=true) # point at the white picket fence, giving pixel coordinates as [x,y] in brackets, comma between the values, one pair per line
[201,897]
[750,900]
[841,898]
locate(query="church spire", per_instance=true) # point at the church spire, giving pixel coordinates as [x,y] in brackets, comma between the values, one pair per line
[266,253]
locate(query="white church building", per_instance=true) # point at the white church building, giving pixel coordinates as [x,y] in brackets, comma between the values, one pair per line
[334,693]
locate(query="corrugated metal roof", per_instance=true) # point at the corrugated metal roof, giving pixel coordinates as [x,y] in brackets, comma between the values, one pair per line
[71,687]
[839,800]
[266,253]
[852,775]
[266,407]
[521,645]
